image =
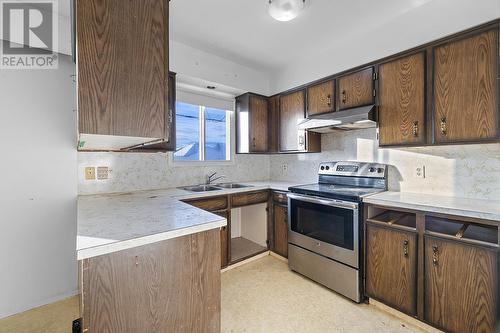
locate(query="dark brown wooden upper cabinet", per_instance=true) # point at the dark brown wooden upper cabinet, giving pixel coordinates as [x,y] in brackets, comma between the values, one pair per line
[321,98]
[461,286]
[356,89]
[252,123]
[401,99]
[274,114]
[292,112]
[466,89]
[122,73]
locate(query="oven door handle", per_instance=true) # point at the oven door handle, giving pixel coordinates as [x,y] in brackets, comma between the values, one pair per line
[324,202]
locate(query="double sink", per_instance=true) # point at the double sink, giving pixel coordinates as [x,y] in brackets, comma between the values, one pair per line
[215,187]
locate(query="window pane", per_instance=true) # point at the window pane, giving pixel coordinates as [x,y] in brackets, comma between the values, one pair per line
[215,134]
[187,124]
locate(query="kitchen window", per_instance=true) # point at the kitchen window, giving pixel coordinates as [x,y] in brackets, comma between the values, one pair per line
[202,133]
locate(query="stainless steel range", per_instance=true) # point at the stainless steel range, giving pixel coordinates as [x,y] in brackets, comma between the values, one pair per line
[325,224]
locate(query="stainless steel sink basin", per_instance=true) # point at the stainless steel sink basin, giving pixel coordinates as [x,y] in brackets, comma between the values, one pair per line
[201,188]
[232,185]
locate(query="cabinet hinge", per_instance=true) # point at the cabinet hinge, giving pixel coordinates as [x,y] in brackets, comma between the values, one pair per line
[170,116]
[375,76]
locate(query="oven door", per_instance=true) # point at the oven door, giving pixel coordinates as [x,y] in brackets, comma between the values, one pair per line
[326,226]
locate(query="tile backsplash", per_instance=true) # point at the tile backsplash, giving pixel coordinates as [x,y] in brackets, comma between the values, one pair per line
[470,171]
[145,171]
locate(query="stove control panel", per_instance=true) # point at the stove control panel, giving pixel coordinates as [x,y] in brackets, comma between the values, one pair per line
[356,169]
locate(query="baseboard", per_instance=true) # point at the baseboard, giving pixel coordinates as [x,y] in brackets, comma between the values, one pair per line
[277,256]
[40,303]
[403,316]
[246,261]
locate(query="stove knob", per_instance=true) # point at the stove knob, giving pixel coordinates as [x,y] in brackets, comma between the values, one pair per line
[372,169]
[380,170]
[322,168]
[327,167]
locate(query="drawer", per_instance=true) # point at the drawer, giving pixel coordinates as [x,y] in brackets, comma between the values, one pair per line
[210,204]
[280,197]
[251,198]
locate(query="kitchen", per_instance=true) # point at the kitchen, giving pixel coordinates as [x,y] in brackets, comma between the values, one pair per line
[190,173]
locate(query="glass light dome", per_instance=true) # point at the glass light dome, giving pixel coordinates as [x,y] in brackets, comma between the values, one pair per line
[285,10]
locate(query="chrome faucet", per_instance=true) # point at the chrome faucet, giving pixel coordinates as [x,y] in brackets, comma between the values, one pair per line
[211,178]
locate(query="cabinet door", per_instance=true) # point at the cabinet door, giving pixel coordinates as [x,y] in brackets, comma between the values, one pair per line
[356,89]
[292,111]
[274,113]
[224,237]
[259,127]
[466,89]
[123,67]
[461,286]
[281,230]
[402,101]
[391,266]
[320,98]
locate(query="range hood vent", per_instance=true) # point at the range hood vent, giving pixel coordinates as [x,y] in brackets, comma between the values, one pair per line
[345,120]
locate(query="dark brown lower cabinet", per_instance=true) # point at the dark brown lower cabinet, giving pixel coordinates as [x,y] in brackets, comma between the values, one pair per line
[280,222]
[169,286]
[224,239]
[391,267]
[461,288]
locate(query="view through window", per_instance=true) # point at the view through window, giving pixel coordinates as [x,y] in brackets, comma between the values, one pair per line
[202,133]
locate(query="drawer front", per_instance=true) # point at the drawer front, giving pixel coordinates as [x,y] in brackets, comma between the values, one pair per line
[210,204]
[252,198]
[280,197]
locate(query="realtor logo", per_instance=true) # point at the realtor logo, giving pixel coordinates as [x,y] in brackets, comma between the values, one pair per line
[29,34]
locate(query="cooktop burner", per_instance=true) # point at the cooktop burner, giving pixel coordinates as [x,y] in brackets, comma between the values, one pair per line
[346,181]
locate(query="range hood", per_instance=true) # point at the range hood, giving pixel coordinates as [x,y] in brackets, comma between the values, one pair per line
[351,119]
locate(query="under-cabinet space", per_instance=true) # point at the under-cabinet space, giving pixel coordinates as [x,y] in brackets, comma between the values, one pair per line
[480,234]
[395,219]
[248,231]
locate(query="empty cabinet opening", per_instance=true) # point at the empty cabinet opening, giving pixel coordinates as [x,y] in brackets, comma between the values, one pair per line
[248,231]
[394,218]
[476,233]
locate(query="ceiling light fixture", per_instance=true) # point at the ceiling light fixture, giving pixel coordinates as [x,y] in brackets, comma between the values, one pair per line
[285,10]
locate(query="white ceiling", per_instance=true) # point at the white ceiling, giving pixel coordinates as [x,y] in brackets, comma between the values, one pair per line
[242,30]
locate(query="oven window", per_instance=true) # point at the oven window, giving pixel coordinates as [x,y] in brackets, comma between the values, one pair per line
[328,224]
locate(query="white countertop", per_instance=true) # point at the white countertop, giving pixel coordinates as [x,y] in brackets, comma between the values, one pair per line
[112,222]
[475,208]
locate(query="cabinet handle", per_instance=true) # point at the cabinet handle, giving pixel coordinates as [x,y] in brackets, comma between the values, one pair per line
[443,126]
[435,258]
[329,100]
[253,142]
[415,128]
[344,96]
[405,247]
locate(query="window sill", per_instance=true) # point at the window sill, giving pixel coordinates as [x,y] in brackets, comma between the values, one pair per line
[180,164]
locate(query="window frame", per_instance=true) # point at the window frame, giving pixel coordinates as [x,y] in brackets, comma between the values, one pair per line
[202,140]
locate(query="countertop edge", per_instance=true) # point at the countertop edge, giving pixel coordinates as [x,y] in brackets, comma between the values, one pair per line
[433,209]
[145,240]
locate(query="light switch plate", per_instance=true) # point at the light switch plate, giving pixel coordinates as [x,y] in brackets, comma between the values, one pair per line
[90,173]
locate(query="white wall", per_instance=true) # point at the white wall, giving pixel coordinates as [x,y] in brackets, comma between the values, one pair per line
[432,20]
[196,63]
[39,187]
[468,171]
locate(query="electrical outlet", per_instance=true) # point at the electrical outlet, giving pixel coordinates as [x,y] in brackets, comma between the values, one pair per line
[103,173]
[284,169]
[90,173]
[420,171]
